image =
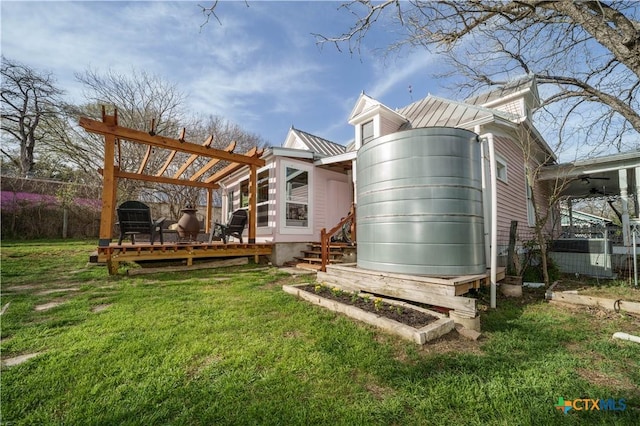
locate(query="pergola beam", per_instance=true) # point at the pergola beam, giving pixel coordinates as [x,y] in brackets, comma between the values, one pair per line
[211,163]
[145,159]
[160,179]
[190,160]
[165,142]
[254,152]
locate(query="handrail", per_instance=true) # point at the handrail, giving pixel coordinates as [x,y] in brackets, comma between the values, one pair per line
[325,237]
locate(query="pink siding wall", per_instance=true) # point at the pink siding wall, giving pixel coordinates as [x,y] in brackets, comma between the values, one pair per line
[512,195]
[328,203]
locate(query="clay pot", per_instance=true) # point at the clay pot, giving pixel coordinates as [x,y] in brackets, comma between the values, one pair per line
[188,225]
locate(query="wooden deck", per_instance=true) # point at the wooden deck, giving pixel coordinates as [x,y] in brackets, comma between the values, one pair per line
[114,253]
[442,292]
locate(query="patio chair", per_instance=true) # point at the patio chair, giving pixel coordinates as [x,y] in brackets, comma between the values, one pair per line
[134,218]
[233,228]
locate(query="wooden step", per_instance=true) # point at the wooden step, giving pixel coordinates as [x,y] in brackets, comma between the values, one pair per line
[308,266]
[317,259]
[331,246]
[319,253]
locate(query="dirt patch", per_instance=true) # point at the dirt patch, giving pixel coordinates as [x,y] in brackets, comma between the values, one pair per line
[402,314]
[604,289]
[56,290]
[20,288]
[194,371]
[294,334]
[605,380]
[100,308]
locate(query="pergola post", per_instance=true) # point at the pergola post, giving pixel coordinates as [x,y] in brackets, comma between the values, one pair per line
[109,189]
[253,203]
[207,224]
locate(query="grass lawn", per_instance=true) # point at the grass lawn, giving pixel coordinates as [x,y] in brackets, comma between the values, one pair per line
[229,346]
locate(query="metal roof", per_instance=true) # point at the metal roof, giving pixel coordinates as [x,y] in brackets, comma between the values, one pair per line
[319,145]
[503,91]
[433,111]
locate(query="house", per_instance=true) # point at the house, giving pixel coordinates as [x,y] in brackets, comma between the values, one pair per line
[309,183]
[297,196]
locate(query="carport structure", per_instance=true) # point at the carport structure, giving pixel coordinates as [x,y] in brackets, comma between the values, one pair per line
[204,178]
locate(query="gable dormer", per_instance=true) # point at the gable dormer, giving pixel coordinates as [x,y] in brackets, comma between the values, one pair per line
[519,97]
[372,119]
[299,139]
[294,141]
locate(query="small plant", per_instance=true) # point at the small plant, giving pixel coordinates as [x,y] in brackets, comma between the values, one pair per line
[336,291]
[399,310]
[377,303]
[318,288]
[354,297]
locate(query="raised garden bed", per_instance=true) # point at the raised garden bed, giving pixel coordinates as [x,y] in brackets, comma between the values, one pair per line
[400,318]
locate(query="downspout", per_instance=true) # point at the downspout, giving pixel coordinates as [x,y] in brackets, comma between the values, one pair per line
[494,216]
[486,196]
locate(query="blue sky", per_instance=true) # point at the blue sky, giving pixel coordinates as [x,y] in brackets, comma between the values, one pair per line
[261,68]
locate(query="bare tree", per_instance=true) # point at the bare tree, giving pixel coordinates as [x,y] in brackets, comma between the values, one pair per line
[29,98]
[544,197]
[586,55]
[144,100]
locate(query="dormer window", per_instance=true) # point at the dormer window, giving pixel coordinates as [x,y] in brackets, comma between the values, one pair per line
[367,132]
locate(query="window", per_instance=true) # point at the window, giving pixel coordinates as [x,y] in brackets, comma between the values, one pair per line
[230,196]
[296,197]
[501,168]
[262,202]
[263,198]
[531,215]
[367,132]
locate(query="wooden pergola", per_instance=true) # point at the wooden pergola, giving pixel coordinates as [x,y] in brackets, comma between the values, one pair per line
[202,178]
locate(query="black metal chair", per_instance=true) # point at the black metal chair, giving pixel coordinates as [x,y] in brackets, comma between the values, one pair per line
[233,228]
[134,218]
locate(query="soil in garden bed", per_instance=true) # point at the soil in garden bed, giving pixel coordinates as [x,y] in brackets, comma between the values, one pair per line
[402,314]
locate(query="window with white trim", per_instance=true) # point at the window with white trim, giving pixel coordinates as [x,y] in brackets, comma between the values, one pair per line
[531,215]
[230,195]
[296,197]
[367,131]
[501,168]
[262,193]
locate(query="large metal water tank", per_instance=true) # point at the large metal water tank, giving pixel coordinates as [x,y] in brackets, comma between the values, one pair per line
[419,203]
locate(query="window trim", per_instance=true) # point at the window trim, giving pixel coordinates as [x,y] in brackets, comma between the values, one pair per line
[282,199]
[364,141]
[501,161]
[531,215]
[259,203]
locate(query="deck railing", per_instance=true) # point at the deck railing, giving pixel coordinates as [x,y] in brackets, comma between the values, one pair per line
[325,236]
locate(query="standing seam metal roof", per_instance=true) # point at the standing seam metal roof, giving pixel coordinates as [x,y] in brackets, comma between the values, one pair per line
[433,112]
[505,90]
[319,145]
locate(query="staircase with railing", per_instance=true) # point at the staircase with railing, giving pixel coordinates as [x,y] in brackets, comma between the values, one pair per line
[338,245]
[345,230]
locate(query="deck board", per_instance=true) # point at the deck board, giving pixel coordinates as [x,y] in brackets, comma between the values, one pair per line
[116,253]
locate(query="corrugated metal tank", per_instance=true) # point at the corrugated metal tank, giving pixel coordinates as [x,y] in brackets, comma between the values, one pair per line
[419,207]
